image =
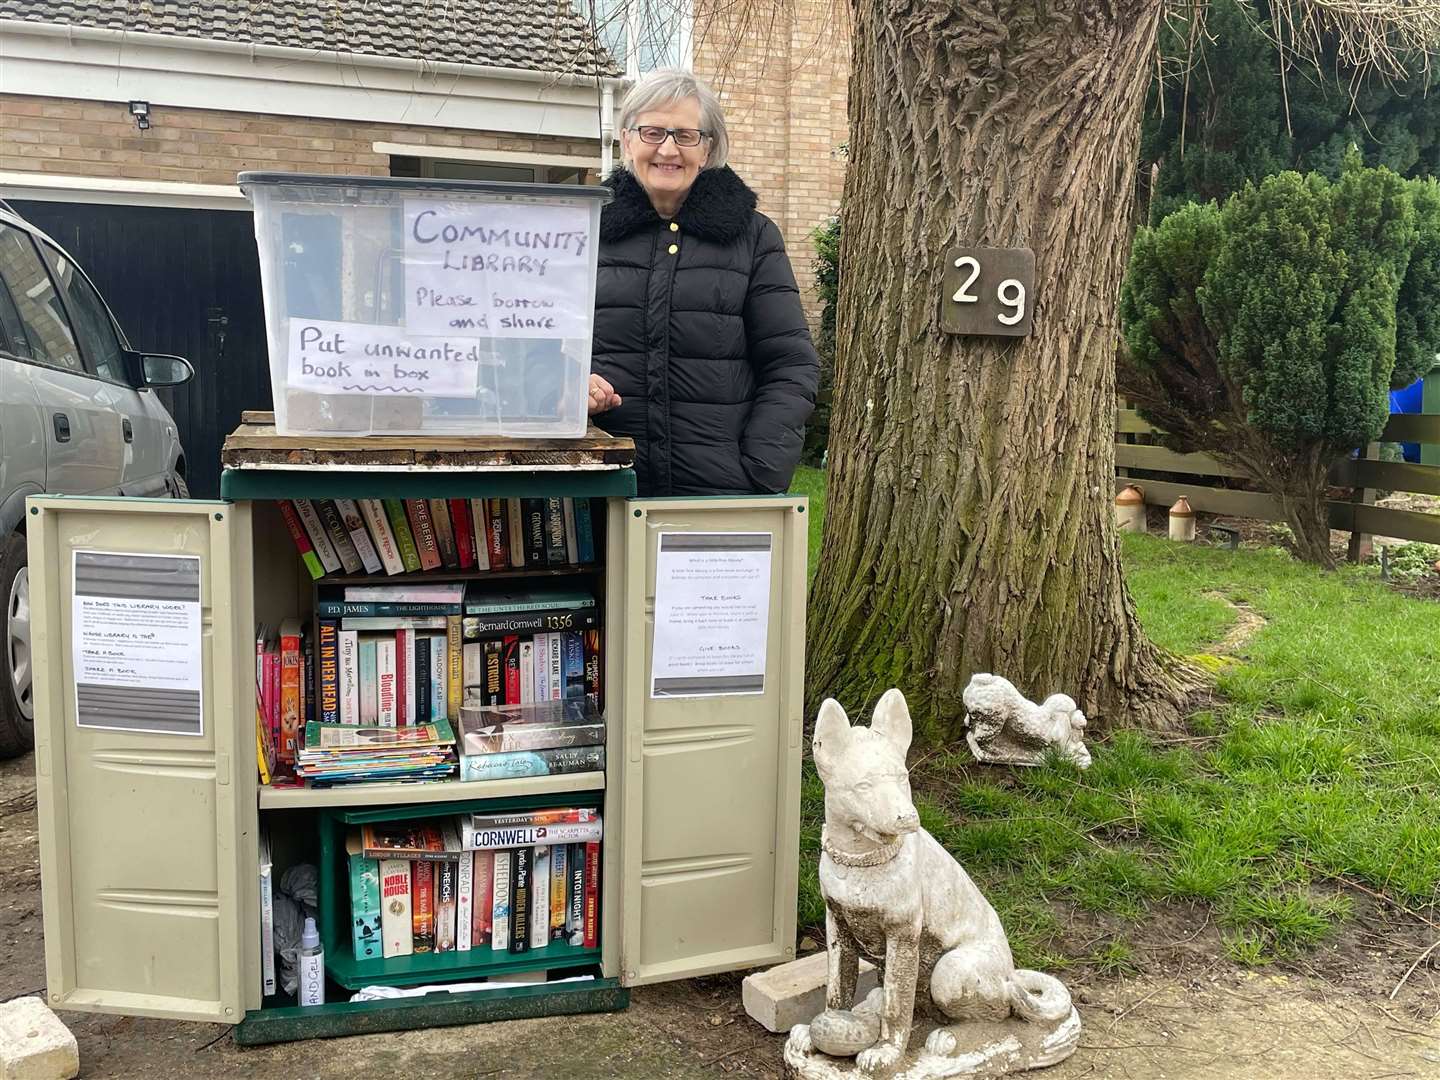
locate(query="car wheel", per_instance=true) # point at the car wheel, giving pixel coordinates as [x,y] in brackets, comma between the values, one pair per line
[178,488]
[17,699]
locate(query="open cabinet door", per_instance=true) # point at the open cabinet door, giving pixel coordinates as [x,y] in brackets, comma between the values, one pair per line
[711,773]
[141,610]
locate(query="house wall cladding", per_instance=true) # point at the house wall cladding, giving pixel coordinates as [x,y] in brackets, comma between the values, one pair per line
[73,137]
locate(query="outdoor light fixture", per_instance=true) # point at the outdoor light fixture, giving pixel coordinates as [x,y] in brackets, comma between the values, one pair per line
[141,111]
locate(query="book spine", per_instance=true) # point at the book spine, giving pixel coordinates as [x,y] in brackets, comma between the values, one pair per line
[329,671]
[574,664]
[557,666]
[267,920]
[592,895]
[584,532]
[464,901]
[369,699]
[289,690]
[348,642]
[422,877]
[527,672]
[541,620]
[464,534]
[494,674]
[500,903]
[480,526]
[391,623]
[552,761]
[383,609]
[376,520]
[519,556]
[484,903]
[423,530]
[318,539]
[365,921]
[446,905]
[593,665]
[439,679]
[554,517]
[540,898]
[559,879]
[307,676]
[488,839]
[444,533]
[405,677]
[473,669]
[521,860]
[510,665]
[396,924]
[404,539]
[575,915]
[454,669]
[498,534]
[534,517]
[572,542]
[339,536]
[354,523]
[542,667]
[517,737]
[385,681]
[422,677]
[301,538]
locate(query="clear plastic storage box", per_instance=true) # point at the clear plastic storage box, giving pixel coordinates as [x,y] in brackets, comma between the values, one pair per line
[427,307]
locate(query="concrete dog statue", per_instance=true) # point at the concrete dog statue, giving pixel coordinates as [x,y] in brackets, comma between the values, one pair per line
[896,897]
[1006,727]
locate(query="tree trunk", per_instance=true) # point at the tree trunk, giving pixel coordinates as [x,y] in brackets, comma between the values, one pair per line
[969,523]
[1301,490]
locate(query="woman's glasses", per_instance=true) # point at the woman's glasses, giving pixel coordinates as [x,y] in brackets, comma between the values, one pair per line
[682,136]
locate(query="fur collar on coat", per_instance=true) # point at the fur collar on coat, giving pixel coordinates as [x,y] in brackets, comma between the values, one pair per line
[719,207]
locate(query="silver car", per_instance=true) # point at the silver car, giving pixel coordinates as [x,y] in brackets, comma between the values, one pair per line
[76,418]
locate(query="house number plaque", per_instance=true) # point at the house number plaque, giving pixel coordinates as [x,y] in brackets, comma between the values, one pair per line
[988,291]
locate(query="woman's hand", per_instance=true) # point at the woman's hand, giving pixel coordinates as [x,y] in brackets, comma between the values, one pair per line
[602,395]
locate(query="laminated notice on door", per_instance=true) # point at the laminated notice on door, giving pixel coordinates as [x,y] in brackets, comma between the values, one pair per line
[712,614]
[136,642]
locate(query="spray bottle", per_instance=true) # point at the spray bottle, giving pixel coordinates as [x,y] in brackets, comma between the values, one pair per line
[312,965]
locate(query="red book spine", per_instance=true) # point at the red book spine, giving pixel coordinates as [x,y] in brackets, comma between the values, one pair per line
[293,523]
[464,535]
[510,658]
[592,894]
[422,904]
[272,700]
[495,531]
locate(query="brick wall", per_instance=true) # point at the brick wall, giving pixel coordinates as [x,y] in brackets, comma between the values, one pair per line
[201,146]
[781,76]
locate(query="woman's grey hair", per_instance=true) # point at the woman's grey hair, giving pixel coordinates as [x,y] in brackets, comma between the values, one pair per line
[665,86]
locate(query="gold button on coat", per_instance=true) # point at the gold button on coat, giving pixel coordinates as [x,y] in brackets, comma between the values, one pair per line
[674,227]
[674,248]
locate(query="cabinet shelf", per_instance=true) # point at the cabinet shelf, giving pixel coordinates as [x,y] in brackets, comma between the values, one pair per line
[421,968]
[297,798]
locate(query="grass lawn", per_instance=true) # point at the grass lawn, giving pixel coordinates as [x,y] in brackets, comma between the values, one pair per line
[1317,770]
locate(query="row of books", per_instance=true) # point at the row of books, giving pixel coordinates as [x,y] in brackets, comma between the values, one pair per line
[503,882]
[398,536]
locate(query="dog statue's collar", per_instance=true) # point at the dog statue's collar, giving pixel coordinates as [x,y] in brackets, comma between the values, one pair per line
[875,857]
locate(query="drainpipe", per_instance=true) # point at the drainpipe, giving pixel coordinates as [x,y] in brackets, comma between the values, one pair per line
[607,129]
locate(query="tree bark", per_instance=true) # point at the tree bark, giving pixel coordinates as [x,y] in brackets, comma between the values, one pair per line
[969,524]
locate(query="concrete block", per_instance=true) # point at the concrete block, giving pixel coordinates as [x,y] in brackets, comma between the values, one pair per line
[34,1044]
[794,993]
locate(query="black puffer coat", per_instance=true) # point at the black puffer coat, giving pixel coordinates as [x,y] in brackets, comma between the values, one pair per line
[699,328]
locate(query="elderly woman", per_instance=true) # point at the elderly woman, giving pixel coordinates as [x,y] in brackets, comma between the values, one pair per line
[702,354]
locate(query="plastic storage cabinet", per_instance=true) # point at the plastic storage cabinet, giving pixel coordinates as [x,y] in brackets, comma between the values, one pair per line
[149,838]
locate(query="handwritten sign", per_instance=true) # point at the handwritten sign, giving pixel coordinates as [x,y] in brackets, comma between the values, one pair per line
[363,358]
[988,291]
[506,270]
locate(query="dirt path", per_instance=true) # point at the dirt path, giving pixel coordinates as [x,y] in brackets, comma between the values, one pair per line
[1206,1025]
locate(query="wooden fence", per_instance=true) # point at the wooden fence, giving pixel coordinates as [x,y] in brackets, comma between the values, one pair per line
[1134,450]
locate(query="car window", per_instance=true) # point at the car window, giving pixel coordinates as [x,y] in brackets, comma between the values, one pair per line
[12,330]
[89,315]
[48,337]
